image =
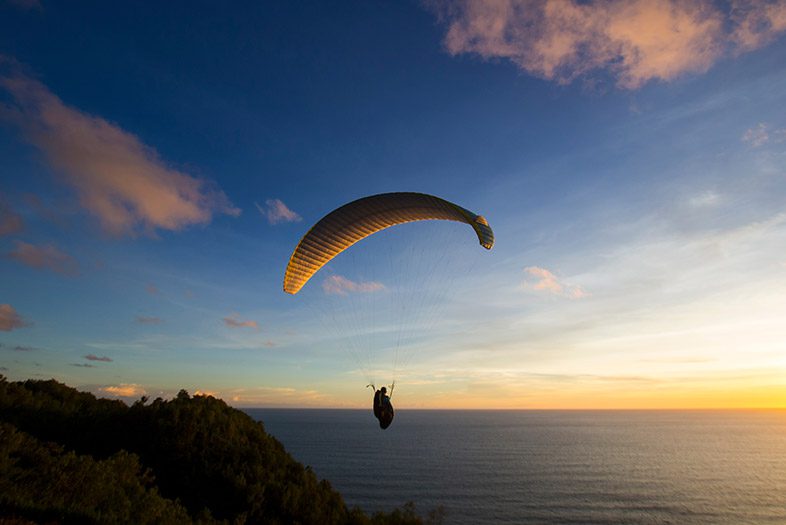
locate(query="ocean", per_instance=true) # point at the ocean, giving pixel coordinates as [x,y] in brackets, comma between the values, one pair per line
[582,467]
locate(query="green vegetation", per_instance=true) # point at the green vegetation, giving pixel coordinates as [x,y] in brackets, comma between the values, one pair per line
[68,457]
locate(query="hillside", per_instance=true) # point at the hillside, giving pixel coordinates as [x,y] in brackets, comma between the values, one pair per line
[68,457]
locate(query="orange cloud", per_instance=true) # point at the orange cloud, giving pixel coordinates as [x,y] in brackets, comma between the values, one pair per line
[10,221]
[10,319]
[757,23]
[234,321]
[635,40]
[280,397]
[44,257]
[123,390]
[276,211]
[543,280]
[205,393]
[338,285]
[118,179]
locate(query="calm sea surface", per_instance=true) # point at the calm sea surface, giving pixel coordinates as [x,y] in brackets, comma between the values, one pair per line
[714,467]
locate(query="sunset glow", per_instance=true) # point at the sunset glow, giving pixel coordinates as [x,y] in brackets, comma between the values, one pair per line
[630,155]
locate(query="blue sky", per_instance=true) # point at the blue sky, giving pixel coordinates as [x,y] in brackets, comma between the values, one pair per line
[161,161]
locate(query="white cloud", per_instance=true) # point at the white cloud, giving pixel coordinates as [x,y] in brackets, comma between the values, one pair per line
[339,285]
[277,212]
[706,199]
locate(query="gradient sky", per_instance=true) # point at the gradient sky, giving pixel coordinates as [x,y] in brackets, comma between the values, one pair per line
[161,160]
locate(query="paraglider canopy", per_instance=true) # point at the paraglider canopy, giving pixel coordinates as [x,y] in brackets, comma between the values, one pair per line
[343,227]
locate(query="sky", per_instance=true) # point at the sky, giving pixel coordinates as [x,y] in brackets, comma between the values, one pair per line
[161,161]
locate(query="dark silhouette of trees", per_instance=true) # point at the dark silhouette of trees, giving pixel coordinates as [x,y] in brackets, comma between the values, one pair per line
[66,456]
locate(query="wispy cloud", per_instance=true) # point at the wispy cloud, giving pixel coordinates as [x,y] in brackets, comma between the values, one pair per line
[10,221]
[43,257]
[123,390]
[763,133]
[151,289]
[234,321]
[275,211]
[119,180]
[279,396]
[142,319]
[17,348]
[636,41]
[10,319]
[93,357]
[83,365]
[705,200]
[339,285]
[541,279]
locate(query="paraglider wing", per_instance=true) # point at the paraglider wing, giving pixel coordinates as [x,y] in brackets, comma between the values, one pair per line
[343,227]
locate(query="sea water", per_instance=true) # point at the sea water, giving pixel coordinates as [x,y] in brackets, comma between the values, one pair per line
[583,467]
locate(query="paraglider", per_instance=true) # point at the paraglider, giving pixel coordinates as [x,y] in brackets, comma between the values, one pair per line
[353,222]
[383,408]
[347,225]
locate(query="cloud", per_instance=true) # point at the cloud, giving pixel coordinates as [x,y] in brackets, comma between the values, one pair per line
[338,285]
[270,344]
[234,321]
[706,199]
[83,365]
[635,41]
[540,279]
[141,319]
[93,357]
[151,289]
[10,221]
[757,23]
[18,348]
[762,133]
[206,393]
[10,319]
[280,397]
[119,180]
[276,212]
[44,257]
[123,390]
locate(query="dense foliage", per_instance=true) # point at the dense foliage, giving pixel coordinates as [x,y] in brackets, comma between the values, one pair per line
[66,456]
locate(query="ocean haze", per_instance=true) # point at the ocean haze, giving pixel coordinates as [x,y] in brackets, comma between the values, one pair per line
[604,467]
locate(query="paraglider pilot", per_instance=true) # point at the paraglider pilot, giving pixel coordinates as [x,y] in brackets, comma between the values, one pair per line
[383,409]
